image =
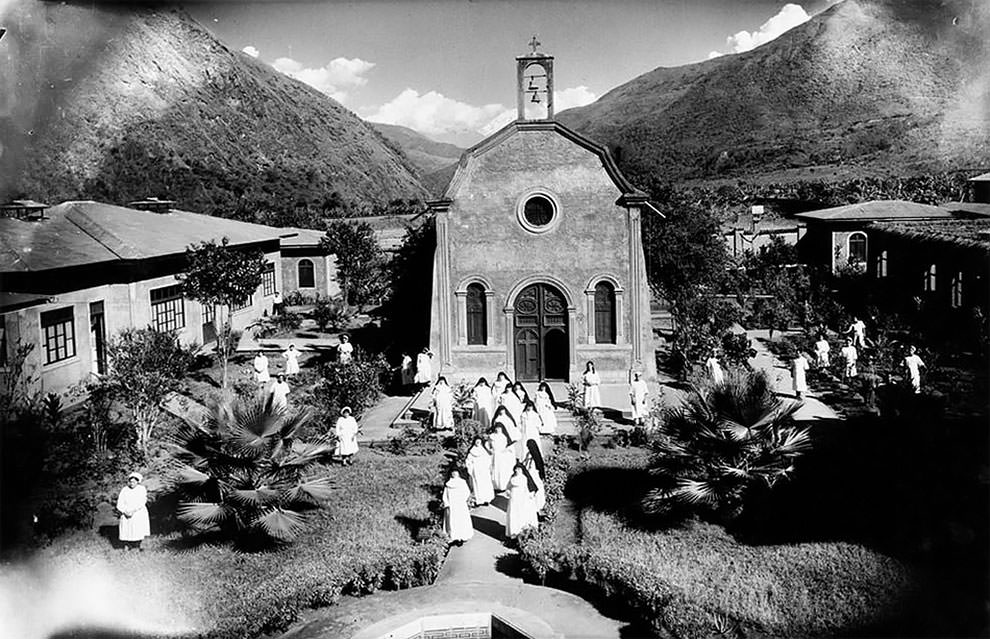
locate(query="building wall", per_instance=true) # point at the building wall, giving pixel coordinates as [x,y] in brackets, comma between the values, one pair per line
[481,239]
[324,273]
[739,241]
[125,306]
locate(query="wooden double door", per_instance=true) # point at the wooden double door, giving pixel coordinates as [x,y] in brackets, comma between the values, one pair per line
[540,337]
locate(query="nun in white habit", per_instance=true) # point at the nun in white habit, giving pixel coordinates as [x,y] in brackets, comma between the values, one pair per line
[503,457]
[457,517]
[479,470]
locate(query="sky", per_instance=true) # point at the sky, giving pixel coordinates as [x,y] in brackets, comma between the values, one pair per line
[446,68]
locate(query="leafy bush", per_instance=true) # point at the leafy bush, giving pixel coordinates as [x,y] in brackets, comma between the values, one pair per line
[297,298]
[329,313]
[737,349]
[716,446]
[357,383]
[244,475]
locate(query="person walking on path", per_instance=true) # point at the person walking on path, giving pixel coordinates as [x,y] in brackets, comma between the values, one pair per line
[638,394]
[799,369]
[484,403]
[521,513]
[132,504]
[261,374]
[822,349]
[537,469]
[346,430]
[479,471]
[505,419]
[457,516]
[443,405]
[592,387]
[510,402]
[424,368]
[503,457]
[345,350]
[531,426]
[280,393]
[913,365]
[291,356]
[714,368]
[857,329]
[546,407]
[849,357]
[501,383]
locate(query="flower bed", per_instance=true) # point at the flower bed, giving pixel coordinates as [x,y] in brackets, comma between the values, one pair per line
[375,534]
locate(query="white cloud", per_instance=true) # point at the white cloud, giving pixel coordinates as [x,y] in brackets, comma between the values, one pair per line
[336,79]
[433,113]
[573,97]
[715,54]
[790,16]
[251,51]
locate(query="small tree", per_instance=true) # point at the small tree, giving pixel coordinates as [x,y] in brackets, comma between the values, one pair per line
[243,472]
[146,365]
[360,261]
[715,447]
[218,275]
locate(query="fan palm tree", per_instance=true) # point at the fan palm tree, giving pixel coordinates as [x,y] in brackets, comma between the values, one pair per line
[244,472]
[716,445]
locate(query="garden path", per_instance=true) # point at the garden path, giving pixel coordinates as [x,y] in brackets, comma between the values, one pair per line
[483,575]
[813,408]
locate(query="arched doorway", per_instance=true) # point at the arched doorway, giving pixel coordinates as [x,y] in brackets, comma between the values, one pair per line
[540,334]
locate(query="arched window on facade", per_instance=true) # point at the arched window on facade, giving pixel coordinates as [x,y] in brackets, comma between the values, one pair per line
[957,292]
[604,313]
[857,248]
[882,264]
[477,315]
[930,279]
[307,278]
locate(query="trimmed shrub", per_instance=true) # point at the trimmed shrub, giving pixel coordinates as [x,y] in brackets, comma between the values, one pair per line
[357,383]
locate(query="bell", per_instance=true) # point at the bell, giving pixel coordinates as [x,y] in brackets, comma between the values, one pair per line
[536,98]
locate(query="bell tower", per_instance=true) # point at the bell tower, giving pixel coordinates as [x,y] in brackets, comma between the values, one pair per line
[534,84]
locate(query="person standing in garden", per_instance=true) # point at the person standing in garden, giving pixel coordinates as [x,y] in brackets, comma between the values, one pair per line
[799,369]
[521,513]
[714,368]
[291,356]
[822,349]
[132,504]
[261,374]
[913,365]
[479,471]
[280,393]
[457,516]
[858,331]
[443,405]
[407,372]
[346,430]
[546,407]
[277,305]
[849,357]
[592,383]
[424,368]
[345,350]
[638,394]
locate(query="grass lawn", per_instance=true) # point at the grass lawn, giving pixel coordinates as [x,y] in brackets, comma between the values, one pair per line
[702,580]
[375,534]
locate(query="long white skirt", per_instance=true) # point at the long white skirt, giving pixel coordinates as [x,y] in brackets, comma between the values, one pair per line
[136,527]
[592,396]
[502,464]
[480,474]
[457,522]
[521,513]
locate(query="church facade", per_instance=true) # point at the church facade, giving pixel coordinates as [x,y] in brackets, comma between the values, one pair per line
[539,263]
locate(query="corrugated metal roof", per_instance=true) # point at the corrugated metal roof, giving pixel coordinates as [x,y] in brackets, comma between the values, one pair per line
[876,210]
[86,232]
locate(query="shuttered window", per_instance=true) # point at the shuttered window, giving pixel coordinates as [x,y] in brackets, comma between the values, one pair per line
[477,315]
[604,313]
[307,278]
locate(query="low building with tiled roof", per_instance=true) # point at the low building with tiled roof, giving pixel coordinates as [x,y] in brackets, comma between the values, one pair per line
[74,274]
[307,266]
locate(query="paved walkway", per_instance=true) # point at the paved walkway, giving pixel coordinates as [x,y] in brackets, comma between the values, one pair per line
[813,409]
[479,577]
[376,423]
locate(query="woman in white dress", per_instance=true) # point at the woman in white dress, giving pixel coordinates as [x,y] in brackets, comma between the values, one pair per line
[714,368]
[484,403]
[501,383]
[547,408]
[521,513]
[799,368]
[132,504]
[849,356]
[345,350]
[592,382]
[443,405]
[537,469]
[406,370]
[280,393]
[424,367]
[510,402]
[638,394]
[503,457]
[261,374]
[505,419]
[479,471]
[520,392]
[457,517]
[291,356]
[822,349]
[346,430]
[530,427]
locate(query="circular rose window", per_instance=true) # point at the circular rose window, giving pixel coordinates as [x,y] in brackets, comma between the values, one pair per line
[537,212]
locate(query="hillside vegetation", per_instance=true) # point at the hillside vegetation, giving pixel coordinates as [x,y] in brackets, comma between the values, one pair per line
[425,154]
[146,102]
[866,88]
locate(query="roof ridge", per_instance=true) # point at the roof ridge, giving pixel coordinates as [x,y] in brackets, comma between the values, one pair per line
[95,230]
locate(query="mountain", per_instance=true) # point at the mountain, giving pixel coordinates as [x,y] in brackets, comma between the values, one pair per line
[115,103]
[866,87]
[425,154]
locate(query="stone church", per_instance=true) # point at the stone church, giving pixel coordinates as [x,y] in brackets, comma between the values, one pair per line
[539,262]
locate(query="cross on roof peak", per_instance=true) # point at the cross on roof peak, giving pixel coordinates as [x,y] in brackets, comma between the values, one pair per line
[534,43]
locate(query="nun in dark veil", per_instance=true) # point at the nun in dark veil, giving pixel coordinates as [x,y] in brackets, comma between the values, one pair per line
[535,468]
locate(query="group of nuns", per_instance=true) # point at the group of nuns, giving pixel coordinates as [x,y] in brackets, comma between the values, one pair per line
[508,459]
